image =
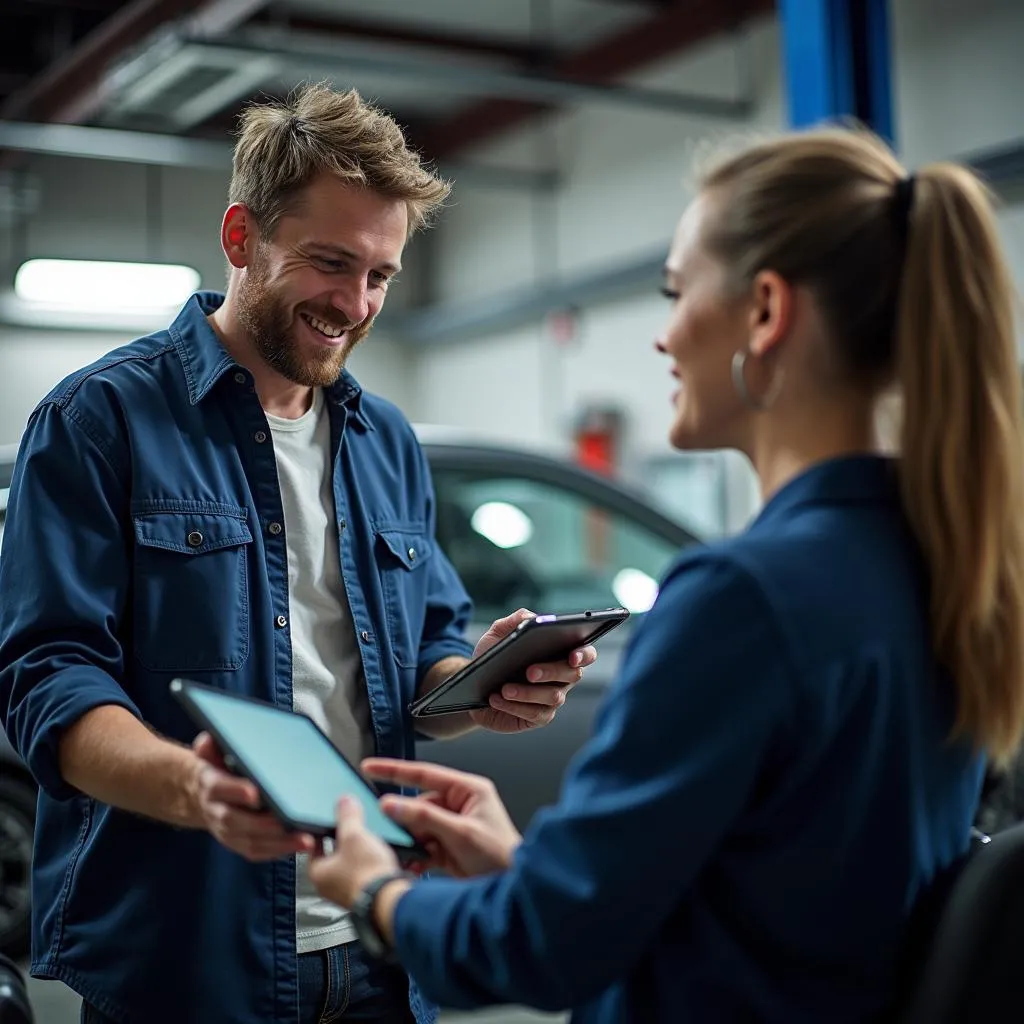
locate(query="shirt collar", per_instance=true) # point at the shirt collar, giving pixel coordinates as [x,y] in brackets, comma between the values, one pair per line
[848,479]
[205,360]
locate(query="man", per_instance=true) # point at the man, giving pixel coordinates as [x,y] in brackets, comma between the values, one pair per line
[221,501]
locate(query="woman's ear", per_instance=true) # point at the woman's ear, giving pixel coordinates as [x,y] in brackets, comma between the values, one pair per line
[237,235]
[771,312]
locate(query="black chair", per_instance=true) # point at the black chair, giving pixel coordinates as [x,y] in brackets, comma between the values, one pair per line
[971,965]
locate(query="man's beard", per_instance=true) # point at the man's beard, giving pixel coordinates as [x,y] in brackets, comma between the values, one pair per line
[270,327]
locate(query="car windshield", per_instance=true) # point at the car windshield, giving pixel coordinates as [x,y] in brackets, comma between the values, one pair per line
[517,541]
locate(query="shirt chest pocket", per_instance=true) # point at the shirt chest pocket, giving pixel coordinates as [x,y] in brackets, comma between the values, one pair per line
[403,555]
[191,588]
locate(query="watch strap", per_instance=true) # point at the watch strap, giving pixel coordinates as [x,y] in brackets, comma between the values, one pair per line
[375,944]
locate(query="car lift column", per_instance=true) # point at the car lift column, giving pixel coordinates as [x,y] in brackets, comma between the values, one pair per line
[838,63]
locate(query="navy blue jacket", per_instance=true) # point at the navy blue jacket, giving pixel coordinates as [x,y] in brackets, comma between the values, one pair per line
[104,602]
[768,790]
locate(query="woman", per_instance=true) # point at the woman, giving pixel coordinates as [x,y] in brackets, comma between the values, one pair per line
[795,745]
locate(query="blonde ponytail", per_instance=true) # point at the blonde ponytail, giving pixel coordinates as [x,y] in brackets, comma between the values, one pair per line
[915,289]
[962,447]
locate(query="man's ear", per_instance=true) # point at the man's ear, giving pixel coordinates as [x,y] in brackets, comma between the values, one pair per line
[771,313]
[238,235]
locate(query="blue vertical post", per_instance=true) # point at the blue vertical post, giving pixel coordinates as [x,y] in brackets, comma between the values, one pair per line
[838,62]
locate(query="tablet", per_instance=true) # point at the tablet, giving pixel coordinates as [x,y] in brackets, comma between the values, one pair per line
[545,638]
[299,773]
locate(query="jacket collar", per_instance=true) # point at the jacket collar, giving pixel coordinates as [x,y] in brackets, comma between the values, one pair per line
[205,360]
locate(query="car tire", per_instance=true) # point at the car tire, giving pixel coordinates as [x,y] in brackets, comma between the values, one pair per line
[17,824]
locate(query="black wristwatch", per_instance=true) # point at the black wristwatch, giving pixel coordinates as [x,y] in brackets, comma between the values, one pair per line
[367,931]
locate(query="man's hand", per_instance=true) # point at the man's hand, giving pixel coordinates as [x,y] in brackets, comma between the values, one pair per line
[229,808]
[458,818]
[520,706]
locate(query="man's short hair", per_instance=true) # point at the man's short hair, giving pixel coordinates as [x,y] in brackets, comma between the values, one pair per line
[283,146]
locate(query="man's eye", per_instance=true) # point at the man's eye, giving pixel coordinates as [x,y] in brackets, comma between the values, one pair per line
[331,265]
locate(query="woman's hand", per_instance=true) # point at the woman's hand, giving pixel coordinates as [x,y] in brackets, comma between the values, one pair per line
[359,858]
[459,818]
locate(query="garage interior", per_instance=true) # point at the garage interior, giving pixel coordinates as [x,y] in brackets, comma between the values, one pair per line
[527,316]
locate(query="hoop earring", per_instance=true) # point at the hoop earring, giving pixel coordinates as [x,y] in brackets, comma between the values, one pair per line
[739,382]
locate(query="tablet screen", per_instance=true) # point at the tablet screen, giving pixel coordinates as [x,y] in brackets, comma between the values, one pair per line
[293,762]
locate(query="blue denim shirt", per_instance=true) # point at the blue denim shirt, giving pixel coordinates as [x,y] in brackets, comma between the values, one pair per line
[769,789]
[138,547]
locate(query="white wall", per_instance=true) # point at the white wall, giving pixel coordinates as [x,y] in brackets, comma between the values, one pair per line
[97,209]
[93,209]
[959,79]
[33,361]
[625,183]
[958,82]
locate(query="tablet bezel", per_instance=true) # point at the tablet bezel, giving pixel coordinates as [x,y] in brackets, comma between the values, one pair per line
[236,762]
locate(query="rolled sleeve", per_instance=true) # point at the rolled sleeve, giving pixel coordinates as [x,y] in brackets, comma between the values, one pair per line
[64,574]
[680,744]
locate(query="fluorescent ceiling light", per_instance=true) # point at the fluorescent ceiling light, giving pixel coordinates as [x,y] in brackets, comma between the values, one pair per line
[92,286]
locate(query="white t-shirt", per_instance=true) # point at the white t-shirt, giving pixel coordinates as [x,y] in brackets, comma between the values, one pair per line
[328,683]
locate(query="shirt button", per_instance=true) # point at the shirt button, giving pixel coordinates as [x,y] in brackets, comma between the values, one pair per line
[280,622]
[195,538]
[412,554]
[239,378]
[364,636]
[342,524]
[260,436]
[274,528]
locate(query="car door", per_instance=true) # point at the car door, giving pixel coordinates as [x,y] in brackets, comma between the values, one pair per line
[528,531]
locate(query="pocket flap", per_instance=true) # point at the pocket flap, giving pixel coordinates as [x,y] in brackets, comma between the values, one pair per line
[411,548]
[191,533]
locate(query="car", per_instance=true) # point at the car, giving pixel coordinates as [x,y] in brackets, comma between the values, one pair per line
[527,528]
[524,528]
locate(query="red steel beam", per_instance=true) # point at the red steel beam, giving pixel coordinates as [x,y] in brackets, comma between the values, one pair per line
[674,29]
[52,95]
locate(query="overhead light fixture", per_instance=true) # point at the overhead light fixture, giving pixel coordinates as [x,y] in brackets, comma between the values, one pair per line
[94,286]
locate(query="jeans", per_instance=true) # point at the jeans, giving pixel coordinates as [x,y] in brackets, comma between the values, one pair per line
[344,984]
[338,984]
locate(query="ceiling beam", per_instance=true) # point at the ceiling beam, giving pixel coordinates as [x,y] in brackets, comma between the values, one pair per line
[122,146]
[469,321]
[306,55]
[51,95]
[65,91]
[408,35]
[673,29]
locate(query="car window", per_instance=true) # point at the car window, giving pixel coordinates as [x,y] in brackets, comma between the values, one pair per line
[517,541]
